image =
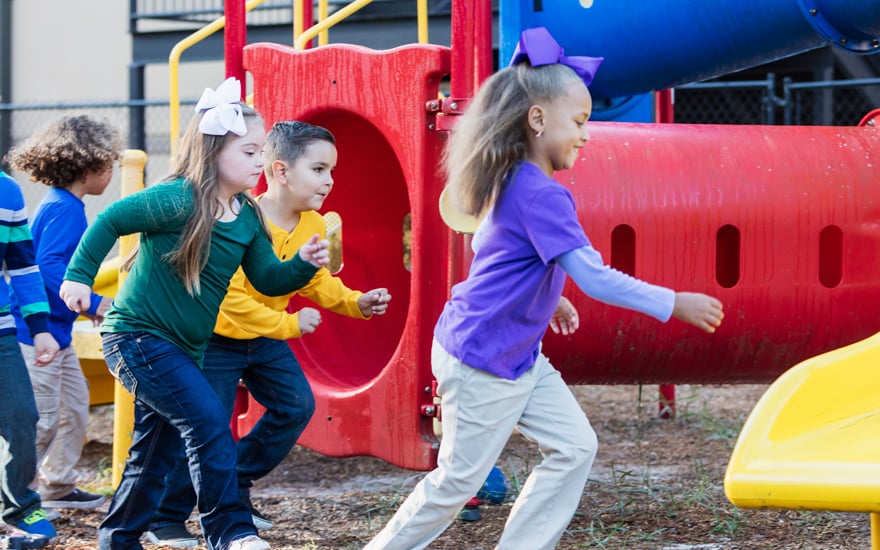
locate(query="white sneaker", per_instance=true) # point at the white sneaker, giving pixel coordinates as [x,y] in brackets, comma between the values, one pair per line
[250,542]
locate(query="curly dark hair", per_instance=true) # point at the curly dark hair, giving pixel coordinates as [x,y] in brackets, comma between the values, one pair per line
[66,150]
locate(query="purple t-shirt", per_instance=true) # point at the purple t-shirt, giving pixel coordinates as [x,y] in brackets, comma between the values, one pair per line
[496,318]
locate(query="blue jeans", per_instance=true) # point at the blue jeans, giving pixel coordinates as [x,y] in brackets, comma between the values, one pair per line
[274,377]
[18,435]
[172,399]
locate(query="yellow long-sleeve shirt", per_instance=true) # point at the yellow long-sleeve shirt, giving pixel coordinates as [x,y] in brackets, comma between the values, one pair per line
[246,314]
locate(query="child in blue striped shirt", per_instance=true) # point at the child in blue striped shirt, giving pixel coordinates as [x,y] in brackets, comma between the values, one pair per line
[74,157]
[20,506]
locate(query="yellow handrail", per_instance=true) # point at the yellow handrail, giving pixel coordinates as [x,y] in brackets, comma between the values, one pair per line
[311,32]
[174,68]
[301,38]
[325,22]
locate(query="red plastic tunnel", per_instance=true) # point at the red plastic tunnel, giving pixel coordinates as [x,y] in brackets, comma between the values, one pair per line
[781,223]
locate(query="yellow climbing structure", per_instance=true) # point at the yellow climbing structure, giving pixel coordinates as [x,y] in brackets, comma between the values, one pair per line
[813,439]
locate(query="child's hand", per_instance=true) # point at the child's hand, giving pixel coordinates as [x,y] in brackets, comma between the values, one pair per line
[702,311]
[565,320]
[316,251]
[77,296]
[45,348]
[309,319]
[374,302]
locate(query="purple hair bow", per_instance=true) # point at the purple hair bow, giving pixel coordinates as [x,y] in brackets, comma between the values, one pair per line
[539,47]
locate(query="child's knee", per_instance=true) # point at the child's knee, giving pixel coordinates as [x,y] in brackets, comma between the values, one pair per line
[298,412]
[581,447]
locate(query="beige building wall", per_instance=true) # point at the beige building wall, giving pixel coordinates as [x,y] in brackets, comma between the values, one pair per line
[80,52]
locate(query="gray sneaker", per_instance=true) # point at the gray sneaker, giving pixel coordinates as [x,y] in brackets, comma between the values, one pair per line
[261,522]
[175,535]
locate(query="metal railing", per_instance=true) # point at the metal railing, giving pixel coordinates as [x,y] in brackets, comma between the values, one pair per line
[814,103]
[148,15]
[822,103]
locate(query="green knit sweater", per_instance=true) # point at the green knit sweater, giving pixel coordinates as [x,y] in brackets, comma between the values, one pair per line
[153,297]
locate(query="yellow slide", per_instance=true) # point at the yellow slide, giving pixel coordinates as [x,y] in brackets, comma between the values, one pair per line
[811,441]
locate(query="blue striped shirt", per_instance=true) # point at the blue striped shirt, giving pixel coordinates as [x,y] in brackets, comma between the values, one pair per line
[19,265]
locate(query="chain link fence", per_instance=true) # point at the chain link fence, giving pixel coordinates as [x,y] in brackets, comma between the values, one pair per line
[744,102]
[835,103]
[839,103]
[824,103]
[26,120]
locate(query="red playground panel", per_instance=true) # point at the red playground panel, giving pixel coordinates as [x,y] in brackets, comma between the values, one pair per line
[371,378]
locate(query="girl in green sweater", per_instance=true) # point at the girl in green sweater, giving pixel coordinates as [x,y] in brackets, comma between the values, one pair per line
[196,227]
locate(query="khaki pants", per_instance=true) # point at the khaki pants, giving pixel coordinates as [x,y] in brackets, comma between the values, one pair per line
[480,411]
[62,396]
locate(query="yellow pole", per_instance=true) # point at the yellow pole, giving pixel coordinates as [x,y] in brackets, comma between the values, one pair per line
[323,11]
[422,18]
[875,531]
[299,18]
[133,162]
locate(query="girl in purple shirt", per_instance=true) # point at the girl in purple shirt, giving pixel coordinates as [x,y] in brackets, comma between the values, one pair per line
[526,122]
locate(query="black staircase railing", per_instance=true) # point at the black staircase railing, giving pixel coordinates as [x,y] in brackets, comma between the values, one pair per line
[148,16]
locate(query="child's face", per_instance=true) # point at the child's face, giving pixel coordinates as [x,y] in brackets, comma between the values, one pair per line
[310,178]
[565,128]
[240,160]
[95,183]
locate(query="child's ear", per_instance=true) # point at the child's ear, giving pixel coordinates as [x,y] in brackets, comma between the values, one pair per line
[279,171]
[535,118]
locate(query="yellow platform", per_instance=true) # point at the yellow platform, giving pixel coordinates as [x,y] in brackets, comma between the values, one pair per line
[87,340]
[811,441]
[87,344]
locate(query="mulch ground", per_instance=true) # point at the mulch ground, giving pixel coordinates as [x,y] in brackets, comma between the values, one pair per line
[656,484]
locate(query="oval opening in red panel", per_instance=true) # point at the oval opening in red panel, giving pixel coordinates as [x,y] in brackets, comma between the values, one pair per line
[623,249]
[370,195]
[830,256]
[727,256]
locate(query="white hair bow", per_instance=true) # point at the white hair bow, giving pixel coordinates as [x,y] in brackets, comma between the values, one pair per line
[222,111]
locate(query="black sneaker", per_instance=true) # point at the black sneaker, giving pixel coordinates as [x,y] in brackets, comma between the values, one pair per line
[175,535]
[261,522]
[80,500]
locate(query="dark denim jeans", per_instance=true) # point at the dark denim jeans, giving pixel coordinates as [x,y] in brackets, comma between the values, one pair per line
[274,377]
[18,434]
[172,399]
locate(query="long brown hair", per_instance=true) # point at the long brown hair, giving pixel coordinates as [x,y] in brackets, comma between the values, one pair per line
[491,136]
[196,162]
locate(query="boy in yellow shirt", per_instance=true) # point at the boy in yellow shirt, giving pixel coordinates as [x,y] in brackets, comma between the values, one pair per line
[249,340]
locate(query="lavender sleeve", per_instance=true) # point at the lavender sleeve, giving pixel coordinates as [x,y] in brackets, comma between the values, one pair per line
[608,285]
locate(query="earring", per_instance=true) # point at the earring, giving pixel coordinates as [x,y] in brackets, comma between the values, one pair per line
[539,133]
